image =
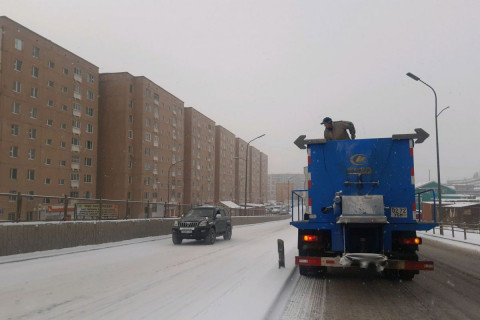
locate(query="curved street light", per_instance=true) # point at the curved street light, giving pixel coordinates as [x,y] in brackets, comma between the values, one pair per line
[246,170]
[414,77]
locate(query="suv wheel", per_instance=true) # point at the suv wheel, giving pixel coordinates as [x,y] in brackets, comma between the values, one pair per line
[228,234]
[176,239]
[211,236]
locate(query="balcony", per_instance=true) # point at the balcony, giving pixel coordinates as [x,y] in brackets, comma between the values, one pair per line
[75,184]
[75,148]
[77,77]
[155,171]
[155,158]
[77,113]
[76,131]
[75,166]
[77,95]
[155,143]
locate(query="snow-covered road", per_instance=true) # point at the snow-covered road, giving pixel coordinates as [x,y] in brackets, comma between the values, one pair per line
[151,278]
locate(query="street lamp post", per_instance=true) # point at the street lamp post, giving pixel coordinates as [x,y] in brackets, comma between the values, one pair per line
[168,180]
[414,77]
[246,171]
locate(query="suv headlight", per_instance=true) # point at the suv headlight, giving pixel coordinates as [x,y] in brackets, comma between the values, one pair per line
[203,223]
[175,223]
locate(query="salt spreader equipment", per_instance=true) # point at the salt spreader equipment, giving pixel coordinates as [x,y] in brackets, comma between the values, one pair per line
[362,211]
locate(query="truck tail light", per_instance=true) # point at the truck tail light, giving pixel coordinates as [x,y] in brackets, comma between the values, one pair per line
[310,238]
[410,241]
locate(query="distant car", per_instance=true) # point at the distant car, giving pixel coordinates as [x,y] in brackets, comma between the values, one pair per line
[205,222]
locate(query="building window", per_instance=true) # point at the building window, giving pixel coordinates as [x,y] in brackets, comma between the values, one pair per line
[65,71]
[31,154]
[63,144]
[64,108]
[14,130]
[17,86]
[75,141]
[89,128]
[76,89]
[89,145]
[18,44]
[88,194]
[64,89]
[17,65]
[13,196]
[51,64]
[61,182]
[77,107]
[88,162]
[35,72]
[77,71]
[63,126]
[32,133]
[146,196]
[30,193]
[13,151]
[130,134]
[48,142]
[51,84]
[62,163]
[90,95]
[16,108]
[48,161]
[50,103]
[36,52]
[33,113]
[13,173]
[31,174]
[73,194]
[49,122]
[34,92]
[89,111]
[90,78]
[87,178]
[47,180]
[148,137]
[76,123]
[75,176]
[130,118]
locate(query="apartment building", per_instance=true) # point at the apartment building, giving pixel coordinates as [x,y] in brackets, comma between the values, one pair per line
[224,165]
[240,170]
[141,141]
[263,177]
[199,177]
[253,175]
[49,121]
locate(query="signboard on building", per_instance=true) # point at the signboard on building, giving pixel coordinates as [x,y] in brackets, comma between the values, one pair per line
[96,211]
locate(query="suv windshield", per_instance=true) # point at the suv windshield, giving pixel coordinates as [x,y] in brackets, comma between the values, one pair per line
[200,212]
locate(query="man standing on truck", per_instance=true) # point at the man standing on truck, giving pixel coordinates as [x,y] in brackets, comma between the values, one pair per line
[338,130]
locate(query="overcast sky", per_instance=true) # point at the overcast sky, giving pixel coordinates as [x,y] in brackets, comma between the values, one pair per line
[278,67]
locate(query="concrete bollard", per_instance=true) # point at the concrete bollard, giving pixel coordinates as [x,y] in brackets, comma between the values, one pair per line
[281,253]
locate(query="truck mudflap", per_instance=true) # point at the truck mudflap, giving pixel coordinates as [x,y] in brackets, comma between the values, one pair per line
[346,262]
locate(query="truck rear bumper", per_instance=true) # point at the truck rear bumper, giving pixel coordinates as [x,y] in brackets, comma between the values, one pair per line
[389,264]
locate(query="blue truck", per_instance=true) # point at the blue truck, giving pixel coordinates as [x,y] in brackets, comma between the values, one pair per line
[361,207]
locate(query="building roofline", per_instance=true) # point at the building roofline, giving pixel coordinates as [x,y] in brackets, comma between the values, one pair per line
[15,22]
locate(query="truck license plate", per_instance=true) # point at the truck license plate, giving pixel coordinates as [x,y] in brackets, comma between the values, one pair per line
[399,212]
[186,230]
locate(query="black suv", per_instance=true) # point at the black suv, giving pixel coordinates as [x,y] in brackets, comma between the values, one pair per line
[205,222]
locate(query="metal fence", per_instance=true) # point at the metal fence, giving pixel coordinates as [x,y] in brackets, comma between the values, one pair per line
[458,231]
[25,207]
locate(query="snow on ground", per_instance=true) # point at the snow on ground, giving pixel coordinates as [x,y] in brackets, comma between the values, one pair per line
[151,278]
[457,238]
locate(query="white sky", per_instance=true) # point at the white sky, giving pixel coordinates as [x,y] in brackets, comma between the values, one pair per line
[278,67]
